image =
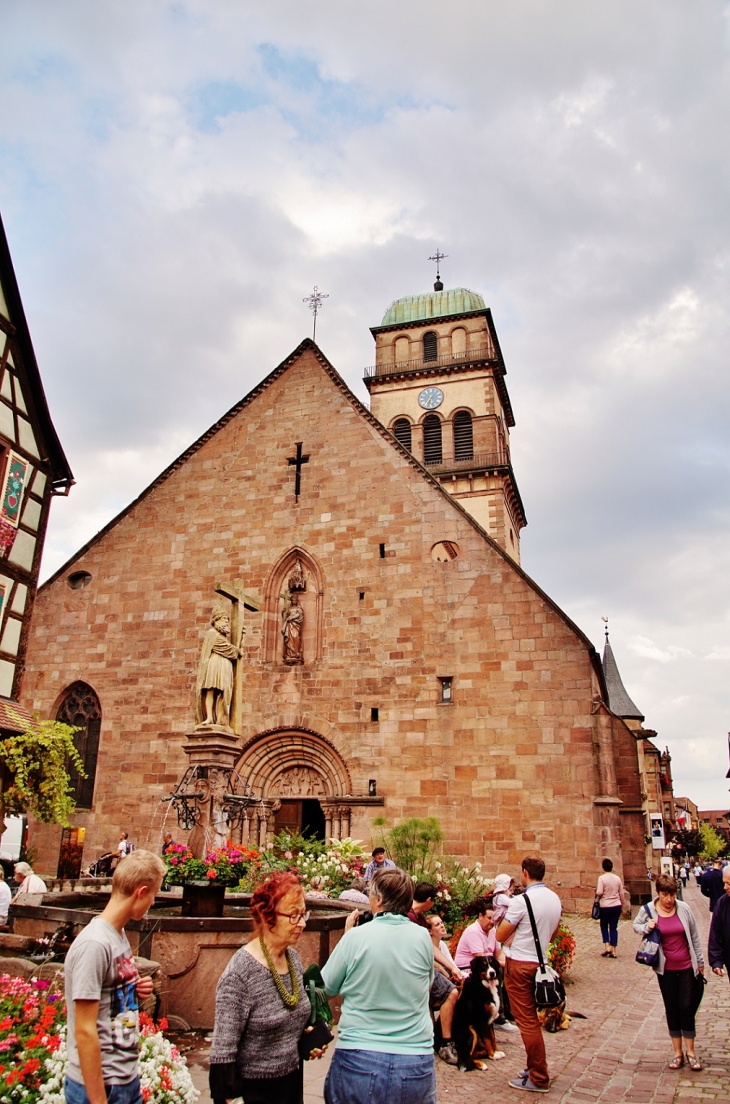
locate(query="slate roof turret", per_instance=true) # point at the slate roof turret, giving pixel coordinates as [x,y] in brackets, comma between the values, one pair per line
[618,698]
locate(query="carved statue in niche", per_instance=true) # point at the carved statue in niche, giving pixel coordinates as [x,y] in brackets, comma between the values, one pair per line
[299,782]
[214,686]
[292,617]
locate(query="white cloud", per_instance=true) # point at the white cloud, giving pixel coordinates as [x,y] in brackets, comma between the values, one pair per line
[647,649]
[175,178]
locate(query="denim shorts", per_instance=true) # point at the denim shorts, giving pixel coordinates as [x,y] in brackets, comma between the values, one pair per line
[129,1093]
[369,1077]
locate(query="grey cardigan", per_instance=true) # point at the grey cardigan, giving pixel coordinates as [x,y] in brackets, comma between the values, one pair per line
[684,912]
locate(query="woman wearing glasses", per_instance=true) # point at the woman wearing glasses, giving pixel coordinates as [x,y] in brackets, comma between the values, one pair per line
[261,1007]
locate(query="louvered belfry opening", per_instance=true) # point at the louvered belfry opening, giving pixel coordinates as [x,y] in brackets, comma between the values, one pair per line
[430,346]
[81,709]
[463,436]
[402,432]
[432,450]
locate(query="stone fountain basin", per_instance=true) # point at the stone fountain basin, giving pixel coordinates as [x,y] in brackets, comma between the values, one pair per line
[192,951]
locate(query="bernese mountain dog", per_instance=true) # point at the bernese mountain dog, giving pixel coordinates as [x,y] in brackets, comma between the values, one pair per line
[474,1014]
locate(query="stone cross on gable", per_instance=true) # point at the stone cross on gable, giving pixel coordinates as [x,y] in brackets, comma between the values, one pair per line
[297,462]
[240,602]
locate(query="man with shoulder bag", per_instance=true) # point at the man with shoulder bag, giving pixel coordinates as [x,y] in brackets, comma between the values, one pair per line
[521,935]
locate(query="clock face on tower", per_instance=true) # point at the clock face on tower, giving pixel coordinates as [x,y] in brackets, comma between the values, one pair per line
[430,398]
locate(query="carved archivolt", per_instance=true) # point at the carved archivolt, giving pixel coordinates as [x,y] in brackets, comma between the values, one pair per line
[291,763]
[297,578]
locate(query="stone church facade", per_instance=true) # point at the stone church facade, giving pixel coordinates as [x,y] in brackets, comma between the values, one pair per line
[401,662]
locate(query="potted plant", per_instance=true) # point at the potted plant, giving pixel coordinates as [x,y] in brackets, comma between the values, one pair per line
[204,881]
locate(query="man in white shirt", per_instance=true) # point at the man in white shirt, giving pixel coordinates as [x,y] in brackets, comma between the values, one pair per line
[28,882]
[518,942]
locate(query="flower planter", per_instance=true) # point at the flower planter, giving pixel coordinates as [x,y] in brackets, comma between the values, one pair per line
[203,899]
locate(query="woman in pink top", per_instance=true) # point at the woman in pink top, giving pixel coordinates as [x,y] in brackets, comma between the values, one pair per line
[609,894]
[680,962]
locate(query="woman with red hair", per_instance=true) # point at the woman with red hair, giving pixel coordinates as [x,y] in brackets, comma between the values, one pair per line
[261,1007]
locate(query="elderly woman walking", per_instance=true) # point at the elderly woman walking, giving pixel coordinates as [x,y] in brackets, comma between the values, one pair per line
[383,971]
[680,964]
[261,1006]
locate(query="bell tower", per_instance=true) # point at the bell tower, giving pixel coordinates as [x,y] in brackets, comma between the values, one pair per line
[438,385]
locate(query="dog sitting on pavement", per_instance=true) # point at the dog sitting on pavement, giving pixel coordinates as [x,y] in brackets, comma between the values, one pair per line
[474,1014]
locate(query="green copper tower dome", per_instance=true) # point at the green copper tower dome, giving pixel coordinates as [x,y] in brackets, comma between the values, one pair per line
[433,304]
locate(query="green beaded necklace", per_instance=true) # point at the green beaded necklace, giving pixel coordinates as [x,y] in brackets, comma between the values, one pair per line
[291,1000]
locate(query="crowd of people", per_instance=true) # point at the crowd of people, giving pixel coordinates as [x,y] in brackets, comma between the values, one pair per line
[394,973]
[392,970]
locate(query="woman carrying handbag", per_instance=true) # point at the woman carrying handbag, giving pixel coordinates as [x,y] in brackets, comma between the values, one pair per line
[609,898]
[679,962]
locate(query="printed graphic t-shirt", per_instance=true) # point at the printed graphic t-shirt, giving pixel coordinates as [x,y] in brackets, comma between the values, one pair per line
[100,967]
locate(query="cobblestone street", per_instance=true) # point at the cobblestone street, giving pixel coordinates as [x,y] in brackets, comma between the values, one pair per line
[618,1053]
[621,1050]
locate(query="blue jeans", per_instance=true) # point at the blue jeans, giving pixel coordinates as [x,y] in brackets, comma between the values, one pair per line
[609,924]
[130,1093]
[369,1077]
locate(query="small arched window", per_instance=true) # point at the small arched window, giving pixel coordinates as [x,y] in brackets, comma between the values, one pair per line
[463,436]
[80,708]
[402,432]
[402,349]
[458,342]
[432,450]
[430,346]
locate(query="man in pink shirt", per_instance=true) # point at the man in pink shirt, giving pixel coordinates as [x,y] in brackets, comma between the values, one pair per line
[480,938]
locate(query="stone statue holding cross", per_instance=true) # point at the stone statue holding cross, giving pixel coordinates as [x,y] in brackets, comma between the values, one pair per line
[217,686]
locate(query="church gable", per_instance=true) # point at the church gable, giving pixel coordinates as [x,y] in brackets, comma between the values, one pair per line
[400,662]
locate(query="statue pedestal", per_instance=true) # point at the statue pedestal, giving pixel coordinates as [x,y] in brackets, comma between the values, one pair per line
[212,746]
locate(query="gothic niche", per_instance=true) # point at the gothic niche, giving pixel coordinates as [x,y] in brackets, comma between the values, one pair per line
[293,617]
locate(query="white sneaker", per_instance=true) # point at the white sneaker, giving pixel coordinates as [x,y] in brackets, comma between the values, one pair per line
[506,1026]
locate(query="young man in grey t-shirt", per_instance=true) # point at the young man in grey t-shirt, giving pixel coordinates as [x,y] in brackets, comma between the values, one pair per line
[103,991]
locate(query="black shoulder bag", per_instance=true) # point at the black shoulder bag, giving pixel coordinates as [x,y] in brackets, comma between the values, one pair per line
[321,1018]
[549,989]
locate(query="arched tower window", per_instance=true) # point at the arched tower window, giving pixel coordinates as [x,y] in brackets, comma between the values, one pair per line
[463,436]
[432,450]
[430,346]
[402,432]
[402,349]
[81,709]
[458,342]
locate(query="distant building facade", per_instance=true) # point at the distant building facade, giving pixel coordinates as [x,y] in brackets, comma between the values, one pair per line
[654,766]
[719,819]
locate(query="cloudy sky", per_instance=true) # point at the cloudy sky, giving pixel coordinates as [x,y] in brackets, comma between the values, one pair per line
[175,177]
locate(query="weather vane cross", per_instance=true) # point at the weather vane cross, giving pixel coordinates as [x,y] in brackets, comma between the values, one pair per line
[314,302]
[438,257]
